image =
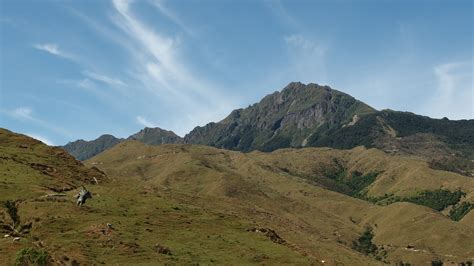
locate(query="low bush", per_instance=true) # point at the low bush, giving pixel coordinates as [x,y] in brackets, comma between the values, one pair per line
[32,256]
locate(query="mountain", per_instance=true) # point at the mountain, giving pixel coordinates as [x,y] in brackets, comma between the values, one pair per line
[317,116]
[83,150]
[156,136]
[283,119]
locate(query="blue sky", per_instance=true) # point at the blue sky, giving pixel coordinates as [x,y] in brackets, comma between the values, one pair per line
[78,69]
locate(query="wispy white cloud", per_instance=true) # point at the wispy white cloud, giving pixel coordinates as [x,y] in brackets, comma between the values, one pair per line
[171,15]
[104,79]
[41,138]
[454,94]
[278,9]
[161,70]
[27,114]
[53,49]
[144,122]
[22,113]
[83,83]
[307,58]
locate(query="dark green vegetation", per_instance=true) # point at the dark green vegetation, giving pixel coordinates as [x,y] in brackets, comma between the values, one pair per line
[358,182]
[460,210]
[12,211]
[364,243]
[32,256]
[437,199]
[454,164]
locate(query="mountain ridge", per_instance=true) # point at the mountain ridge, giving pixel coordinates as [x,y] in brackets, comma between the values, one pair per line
[316,116]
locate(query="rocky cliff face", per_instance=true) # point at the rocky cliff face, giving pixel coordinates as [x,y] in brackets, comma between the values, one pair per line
[281,119]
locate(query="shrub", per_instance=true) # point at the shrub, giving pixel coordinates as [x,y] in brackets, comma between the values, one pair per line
[364,243]
[32,256]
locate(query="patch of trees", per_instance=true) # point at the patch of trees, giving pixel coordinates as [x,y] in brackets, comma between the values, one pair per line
[460,210]
[364,243]
[436,199]
[458,165]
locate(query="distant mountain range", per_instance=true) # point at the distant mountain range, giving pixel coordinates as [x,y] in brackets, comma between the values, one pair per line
[84,150]
[316,116]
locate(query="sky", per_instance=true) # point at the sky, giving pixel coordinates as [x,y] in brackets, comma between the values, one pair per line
[79,69]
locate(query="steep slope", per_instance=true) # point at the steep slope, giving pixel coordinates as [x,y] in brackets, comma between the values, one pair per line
[282,119]
[31,167]
[156,136]
[82,149]
[294,193]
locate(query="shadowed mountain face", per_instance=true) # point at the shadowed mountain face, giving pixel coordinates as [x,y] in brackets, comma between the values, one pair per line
[83,150]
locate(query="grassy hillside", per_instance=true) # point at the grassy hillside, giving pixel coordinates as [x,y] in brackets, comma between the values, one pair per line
[194,204]
[290,191]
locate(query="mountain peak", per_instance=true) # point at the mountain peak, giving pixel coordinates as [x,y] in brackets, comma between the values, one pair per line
[156,136]
[285,118]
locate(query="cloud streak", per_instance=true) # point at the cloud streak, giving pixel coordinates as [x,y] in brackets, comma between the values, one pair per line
[160,5]
[307,58]
[27,114]
[104,79]
[453,96]
[53,49]
[144,122]
[161,70]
